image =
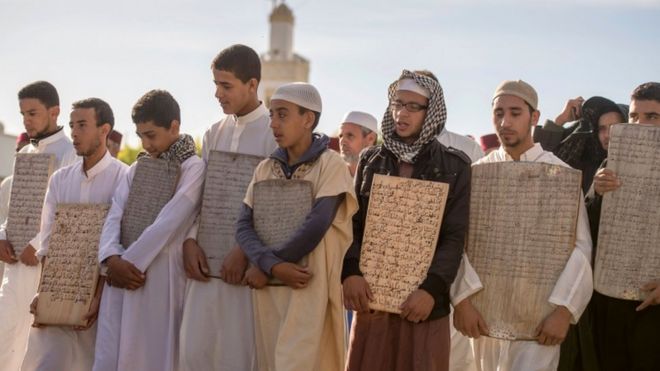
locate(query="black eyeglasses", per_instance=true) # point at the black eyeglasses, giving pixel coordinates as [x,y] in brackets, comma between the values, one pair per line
[410,106]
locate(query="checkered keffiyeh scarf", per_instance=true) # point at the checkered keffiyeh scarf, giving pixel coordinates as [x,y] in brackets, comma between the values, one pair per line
[180,151]
[436,116]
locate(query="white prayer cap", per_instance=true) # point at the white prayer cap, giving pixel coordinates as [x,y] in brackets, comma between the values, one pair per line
[411,85]
[301,93]
[361,118]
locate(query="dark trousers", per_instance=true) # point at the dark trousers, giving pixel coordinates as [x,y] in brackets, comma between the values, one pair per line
[626,340]
[578,351]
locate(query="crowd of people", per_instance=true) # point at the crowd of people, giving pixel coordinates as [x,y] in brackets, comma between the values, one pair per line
[159,307]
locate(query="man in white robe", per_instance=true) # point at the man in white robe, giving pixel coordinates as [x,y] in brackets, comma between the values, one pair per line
[460,356]
[462,143]
[358,130]
[141,306]
[5,188]
[39,104]
[92,180]
[514,115]
[217,330]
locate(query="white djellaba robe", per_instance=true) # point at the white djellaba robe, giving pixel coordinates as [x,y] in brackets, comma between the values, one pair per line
[460,356]
[20,282]
[461,142]
[217,330]
[5,189]
[63,348]
[572,290]
[139,329]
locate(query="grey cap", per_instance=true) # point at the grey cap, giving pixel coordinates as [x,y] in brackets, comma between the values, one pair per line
[519,89]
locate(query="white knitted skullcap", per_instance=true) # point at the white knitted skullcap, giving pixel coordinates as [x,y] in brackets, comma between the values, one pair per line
[361,118]
[411,85]
[300,93]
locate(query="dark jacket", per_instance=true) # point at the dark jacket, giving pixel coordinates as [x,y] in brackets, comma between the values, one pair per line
[578,146]
[594,202]
[435,162]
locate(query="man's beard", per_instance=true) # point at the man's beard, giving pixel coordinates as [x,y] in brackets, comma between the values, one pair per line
[519,139]
[92,149]
[350,158]
[43,133]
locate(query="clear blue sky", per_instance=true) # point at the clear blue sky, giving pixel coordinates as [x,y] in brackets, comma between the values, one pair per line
[118,50]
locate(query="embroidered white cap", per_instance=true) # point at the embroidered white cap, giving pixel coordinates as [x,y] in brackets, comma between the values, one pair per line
[361,118]
[300,93]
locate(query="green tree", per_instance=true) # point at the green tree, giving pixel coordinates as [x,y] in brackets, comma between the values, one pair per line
[128,154]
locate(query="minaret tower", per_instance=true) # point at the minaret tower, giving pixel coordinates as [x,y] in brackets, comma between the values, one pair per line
[280,64]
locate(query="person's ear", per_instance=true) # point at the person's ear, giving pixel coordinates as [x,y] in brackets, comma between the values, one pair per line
[535,117]
[54,112]
[106,129]
[372,138]
[310,117]
[253,85]
[174,127]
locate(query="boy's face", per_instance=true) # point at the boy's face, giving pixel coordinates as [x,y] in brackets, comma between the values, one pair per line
[512,120]
[86,136]
[407,124]
[288,124]
[157,139]
[233,94]
[644,112]
[37,119]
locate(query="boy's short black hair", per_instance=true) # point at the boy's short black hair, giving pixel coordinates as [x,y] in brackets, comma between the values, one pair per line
[102,108]
[44,91]
[158,106]
[240,60]
[647,91]
[317,115]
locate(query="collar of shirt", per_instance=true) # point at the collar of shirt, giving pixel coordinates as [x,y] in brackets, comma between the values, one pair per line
[531,155]
[52,138]
[240,122]
[252,116]
[98,167]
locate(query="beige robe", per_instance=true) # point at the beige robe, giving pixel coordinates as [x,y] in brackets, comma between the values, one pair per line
[305,329]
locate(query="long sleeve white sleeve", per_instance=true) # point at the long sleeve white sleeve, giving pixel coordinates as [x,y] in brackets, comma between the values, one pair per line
[575,284]
[47,216]
[466,283]
[110,236]
[573,288]
[5,190]
[3,231]
[175,217]
[194,228]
